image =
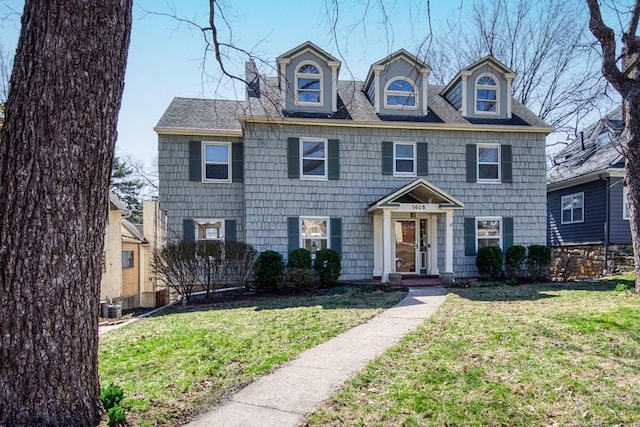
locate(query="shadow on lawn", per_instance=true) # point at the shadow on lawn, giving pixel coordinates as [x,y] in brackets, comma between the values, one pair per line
[537,291]
[328,299]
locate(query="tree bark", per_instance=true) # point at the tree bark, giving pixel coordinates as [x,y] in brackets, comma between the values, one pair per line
[56,150]
[627,82]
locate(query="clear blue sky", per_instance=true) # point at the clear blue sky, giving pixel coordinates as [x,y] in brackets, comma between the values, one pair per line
[165,57]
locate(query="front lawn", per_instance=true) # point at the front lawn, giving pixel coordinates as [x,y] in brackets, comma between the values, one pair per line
[553,354]
[172,365]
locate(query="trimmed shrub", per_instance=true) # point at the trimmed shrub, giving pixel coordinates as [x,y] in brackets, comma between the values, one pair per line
[298,279]
[538,261]
[514,258]
[268,271]
[299,258]
[328,266]
[489,262]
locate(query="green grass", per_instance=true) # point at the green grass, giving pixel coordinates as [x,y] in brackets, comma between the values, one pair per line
[564,354]
[172,365]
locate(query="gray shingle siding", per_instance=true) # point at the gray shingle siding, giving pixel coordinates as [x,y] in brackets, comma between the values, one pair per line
[184,199]
[271,197]
[619,229]
[591,230]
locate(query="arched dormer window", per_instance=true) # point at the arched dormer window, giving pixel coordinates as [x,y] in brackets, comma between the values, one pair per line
[308,84]
[401,92]
[486,95]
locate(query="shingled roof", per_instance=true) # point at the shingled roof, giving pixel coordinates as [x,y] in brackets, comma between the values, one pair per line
[353,105]
[597,149]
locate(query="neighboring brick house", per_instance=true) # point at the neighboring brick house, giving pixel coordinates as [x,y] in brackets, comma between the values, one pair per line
[396,174]
[588,215]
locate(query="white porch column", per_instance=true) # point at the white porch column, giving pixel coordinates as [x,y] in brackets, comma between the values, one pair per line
[433,242]
[387,241]
[448,246]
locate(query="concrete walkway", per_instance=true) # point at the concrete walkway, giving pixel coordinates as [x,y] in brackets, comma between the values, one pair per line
[285,397]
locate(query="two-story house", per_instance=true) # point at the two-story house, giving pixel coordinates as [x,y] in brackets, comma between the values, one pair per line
[588,214]
[394,173]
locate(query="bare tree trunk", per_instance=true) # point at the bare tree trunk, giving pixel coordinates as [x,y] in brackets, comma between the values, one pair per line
[626,80]
[56,150]
[632,122]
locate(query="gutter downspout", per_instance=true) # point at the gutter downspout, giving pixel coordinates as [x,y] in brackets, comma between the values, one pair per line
[605,266]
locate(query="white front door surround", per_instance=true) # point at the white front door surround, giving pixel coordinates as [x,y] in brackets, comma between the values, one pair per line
[405,211]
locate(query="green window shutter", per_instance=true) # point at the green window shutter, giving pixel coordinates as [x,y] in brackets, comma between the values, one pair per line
[507,173]
[336,234]
[237,162]
[195,161]
[472,163]
[422,158]
[333,159]
[293,226]
[507,233]
[188,230]
[293,157]
[469,236]
[230,230]
[387,158]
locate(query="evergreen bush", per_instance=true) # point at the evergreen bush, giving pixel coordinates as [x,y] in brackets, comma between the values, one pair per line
[538,261]
[514,258]
[268,271]
[489,262]
[328,266]
[299,258]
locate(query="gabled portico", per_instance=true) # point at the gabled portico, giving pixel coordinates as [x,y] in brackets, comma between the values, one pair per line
[405,230]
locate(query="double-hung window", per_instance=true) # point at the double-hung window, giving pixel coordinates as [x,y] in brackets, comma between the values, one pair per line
[488,162]
[404,159]
[572,208]
[308,84]
[486,95]
[400,93]
[488,232]
[210,229]
[314,233]
[216,161]
[313,158]
[625,203]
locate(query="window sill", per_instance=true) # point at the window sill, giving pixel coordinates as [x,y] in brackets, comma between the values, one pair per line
[488,182]
[216,181]
[572,222]
[313,178]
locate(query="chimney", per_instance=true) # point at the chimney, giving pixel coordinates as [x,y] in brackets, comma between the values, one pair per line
[253,78]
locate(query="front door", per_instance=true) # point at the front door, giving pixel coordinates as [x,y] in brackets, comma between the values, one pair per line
[406,246]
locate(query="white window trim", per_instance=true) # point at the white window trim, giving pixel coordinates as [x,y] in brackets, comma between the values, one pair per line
[625,203]
[486,180]
[489,218]
[476,86]
[204,161]
[415,155]
[388,92]
[319,218]
[204,221]
[299,75]
[324,177]
[571,196]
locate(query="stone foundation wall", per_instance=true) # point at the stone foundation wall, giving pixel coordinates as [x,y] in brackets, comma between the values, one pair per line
[587,261]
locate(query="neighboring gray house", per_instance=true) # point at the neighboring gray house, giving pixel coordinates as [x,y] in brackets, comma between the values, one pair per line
[586,197]
[396,174]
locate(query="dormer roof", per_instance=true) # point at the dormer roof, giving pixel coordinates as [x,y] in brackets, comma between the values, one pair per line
[421,66]
[488,60]
[307,47]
